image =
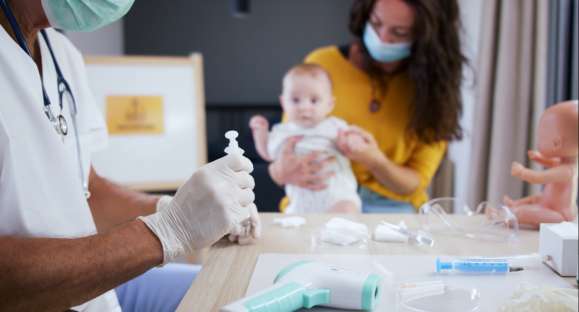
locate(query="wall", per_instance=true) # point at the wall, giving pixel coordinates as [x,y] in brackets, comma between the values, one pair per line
[241,63]
[108,40]
[245,58]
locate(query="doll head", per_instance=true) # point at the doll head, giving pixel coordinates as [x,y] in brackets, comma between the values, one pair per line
[557,132]
[307,95]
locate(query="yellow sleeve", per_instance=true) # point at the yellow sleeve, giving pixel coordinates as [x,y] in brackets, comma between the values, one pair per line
[425,160]
[322,56]
[312,58]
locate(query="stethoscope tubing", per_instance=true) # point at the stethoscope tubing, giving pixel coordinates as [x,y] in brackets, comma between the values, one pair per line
[61,81]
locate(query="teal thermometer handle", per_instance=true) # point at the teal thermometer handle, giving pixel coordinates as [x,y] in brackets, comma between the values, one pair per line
[281,297]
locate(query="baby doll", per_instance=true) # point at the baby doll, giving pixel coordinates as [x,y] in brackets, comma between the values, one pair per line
[557,152]
[307,100]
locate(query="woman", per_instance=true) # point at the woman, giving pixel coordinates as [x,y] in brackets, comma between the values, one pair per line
[399,84]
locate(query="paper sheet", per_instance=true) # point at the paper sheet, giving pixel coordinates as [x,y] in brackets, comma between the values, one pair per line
[494,289]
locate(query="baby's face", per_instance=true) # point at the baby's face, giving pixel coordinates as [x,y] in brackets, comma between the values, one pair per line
[307,99]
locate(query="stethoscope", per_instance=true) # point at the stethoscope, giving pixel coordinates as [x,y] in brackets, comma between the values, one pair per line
[64,94]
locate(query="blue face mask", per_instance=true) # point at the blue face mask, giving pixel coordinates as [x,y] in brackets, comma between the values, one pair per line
[384,52]
[84,15]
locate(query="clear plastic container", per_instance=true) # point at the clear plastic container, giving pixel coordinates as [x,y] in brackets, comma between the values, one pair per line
[435,296]
[400,230]
[486,222]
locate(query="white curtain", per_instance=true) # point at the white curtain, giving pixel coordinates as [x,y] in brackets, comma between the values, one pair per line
[510,95]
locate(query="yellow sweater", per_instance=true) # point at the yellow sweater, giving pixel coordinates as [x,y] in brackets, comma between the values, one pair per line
[353,93]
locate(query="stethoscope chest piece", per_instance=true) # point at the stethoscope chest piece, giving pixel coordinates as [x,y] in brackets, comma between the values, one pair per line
[61,125]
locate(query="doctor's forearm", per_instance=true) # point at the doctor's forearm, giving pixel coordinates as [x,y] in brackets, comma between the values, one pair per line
[40,274]
[112,204]
[399,179]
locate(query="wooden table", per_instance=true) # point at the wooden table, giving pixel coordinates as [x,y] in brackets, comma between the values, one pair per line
[228,268]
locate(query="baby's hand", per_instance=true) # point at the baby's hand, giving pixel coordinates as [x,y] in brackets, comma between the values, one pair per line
[258,122]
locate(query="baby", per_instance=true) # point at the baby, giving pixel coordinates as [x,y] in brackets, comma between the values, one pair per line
[307,101]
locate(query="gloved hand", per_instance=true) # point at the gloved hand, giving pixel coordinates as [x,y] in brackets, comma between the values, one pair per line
[250,230]
[163,202]
[212,203]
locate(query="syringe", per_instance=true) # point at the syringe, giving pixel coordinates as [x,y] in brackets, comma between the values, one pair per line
[475,265]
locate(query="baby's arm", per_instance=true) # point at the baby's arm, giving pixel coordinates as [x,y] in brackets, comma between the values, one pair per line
[259,129]
[560,173]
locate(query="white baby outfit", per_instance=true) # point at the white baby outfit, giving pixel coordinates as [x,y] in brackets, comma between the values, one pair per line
[322,137]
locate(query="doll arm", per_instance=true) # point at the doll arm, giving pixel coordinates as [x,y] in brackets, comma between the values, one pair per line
[544,161]
[259,130]
[556,174]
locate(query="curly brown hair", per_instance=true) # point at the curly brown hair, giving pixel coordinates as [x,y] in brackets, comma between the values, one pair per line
[435,65]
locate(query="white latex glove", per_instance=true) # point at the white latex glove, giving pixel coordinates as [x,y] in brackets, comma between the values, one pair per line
[212,203]
[250,230]
[163,202]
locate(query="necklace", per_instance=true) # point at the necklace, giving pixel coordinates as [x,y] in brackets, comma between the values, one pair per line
[374,102]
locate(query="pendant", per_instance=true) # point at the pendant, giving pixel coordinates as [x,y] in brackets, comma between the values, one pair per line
[374,106]
[62,125]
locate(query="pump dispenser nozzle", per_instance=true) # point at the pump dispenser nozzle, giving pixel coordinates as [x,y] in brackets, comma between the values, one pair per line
[233,147]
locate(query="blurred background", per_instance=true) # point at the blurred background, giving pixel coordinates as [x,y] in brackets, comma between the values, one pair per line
[247,46]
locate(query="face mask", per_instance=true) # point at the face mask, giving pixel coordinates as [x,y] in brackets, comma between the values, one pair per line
[84,15]
[384,52]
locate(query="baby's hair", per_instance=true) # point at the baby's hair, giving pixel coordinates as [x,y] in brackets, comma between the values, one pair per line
[314,70]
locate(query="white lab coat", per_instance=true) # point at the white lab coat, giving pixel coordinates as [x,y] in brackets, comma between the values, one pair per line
[40,187]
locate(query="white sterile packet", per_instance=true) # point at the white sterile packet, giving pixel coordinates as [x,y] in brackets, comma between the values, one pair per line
[290,222]
[343,232]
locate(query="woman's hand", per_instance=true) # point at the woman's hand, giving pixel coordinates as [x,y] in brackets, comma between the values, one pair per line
[359,145]
[306,171]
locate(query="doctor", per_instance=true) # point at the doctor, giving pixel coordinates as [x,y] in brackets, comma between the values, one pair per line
[68,237]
